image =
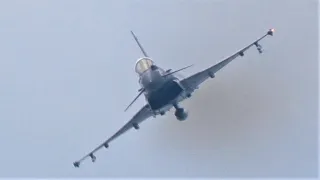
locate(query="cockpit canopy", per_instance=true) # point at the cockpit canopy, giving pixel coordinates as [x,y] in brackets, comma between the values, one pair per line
[143,64]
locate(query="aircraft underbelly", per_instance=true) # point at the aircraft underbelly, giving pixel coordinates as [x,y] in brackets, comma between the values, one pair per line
[165,95]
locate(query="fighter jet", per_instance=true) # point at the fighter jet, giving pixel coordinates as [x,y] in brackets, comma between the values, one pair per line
[163,90]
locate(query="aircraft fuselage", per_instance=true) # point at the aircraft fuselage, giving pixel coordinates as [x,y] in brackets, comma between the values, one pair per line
[161,92]
[152,79]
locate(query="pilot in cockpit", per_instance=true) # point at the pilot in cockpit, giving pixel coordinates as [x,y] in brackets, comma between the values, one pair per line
[143,65]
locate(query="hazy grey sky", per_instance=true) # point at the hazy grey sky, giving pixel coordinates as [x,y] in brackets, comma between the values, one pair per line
[67,73]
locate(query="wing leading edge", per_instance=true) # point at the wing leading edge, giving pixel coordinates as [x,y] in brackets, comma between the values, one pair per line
[143,114]
[192,82]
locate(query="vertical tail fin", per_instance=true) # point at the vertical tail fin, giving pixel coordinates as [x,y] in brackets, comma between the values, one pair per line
[140,46]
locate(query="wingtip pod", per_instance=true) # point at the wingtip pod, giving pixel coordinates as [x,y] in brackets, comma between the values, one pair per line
[271,31]
[76,164]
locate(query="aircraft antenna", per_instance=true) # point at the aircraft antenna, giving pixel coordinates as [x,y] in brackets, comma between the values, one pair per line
[140,46]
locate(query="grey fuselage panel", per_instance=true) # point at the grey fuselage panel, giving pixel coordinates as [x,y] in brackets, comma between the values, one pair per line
[160,91]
